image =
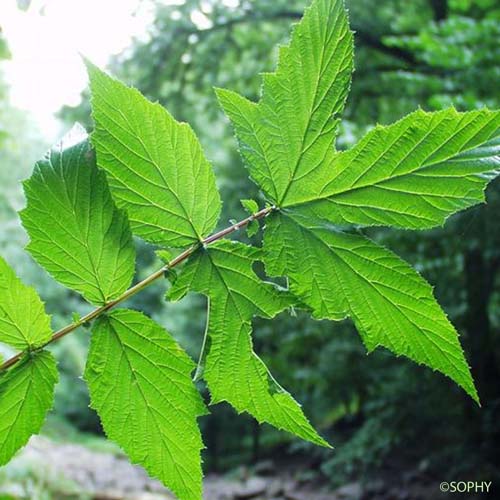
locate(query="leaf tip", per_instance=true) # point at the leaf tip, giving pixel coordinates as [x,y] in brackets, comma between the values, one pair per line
[89,65]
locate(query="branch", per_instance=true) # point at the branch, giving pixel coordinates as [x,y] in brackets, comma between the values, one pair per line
[365,37]
[142,284]
[493,267]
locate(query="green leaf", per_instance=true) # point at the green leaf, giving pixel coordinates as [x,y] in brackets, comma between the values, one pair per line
[234,373]
[156,167]
[26,395]
[23,321]
[289,134]
[251,207]
[76,231]
[140,384]
[164,255]
[252,228]
[339,275]
[412,174]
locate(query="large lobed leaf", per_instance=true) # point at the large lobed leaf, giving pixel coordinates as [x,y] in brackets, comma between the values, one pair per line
[23,321]
[412,174]
[342,275]
[234,373]
[26,395]
[140,384]
[156,168]
[287,137]
[76,231]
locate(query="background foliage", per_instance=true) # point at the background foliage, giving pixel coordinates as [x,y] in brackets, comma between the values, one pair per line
[382,413]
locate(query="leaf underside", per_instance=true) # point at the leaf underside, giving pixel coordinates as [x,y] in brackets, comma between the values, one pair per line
[23,321]
[140,384]
[26,395]
[289,134]
[234,373]
[390,303]
[77,234]
[156,168]
[412,174]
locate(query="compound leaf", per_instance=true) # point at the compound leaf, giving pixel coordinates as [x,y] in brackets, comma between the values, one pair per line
[140,384]
[23,321]
[156,167]
[412,174]
[26,395]
[288,135]
[234,373]
[339,275]
[76,231]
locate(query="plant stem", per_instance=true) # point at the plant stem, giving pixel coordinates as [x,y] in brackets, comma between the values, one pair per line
[143,284]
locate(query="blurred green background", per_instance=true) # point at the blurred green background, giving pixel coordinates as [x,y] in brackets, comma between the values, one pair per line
[397,427]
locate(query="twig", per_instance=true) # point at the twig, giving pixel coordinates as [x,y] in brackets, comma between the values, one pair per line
[142,284]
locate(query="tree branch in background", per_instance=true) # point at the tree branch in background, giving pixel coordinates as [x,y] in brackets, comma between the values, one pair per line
[367,39]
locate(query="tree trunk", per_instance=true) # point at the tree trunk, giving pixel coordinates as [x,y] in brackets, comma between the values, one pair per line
[440,9]
[481,353]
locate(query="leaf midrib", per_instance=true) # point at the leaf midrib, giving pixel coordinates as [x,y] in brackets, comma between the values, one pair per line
[313,107]
[417,171]
[150,409]
[148,159]
[397,306]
